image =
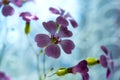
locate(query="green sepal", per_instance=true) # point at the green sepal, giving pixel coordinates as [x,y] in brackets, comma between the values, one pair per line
[92,61]
[27,28]
[62,72]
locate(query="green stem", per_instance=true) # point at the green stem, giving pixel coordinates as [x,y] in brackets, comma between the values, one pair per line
[44,66]
[38,68]
[2,53]
[37,56]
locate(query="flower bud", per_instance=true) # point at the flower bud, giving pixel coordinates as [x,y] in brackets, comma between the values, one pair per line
[62,71]
[27,28]
[92,61]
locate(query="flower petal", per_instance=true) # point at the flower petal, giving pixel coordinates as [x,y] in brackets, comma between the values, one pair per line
[2,75]
[67,46]
[52,50]
[50,26]
[7,10]
[103,61]
[1,4]
[67,15]
[17,2]
[62,12]
[81,67]
[62,21]
[64,32]
[27,16]
[108,73]
[85,76]
[23,14]
[54,11]
[73,23]
[105,50]
[42,40]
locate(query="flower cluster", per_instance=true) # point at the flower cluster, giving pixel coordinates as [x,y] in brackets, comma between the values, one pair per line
[58,29]
[51,42]
[62,18]
[7,9]
[82,67]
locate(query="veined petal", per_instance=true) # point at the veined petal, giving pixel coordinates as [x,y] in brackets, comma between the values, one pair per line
[67,46]
[42,40]
[103,61]
[50,27]
[54,11]
[85,76]
[52,50]
[62,21]
[7,10]
[64,32]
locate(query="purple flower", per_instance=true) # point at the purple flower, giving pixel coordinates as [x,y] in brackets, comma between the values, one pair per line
[7,9]
[3,76]
[51,42]
[27,16]
[62,19]
[106,61]
[19,3]
[81,68]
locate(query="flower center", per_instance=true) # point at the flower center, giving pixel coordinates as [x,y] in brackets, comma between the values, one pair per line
[6,2]
[54,39]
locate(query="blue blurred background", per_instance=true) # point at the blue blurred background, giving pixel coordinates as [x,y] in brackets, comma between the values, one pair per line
[99,24]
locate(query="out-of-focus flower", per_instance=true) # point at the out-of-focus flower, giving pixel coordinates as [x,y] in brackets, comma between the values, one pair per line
[81,68]
[7,9]
[19,3]
[62,18]
[3,76]
[106,61]
[51,42]
[27,16]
